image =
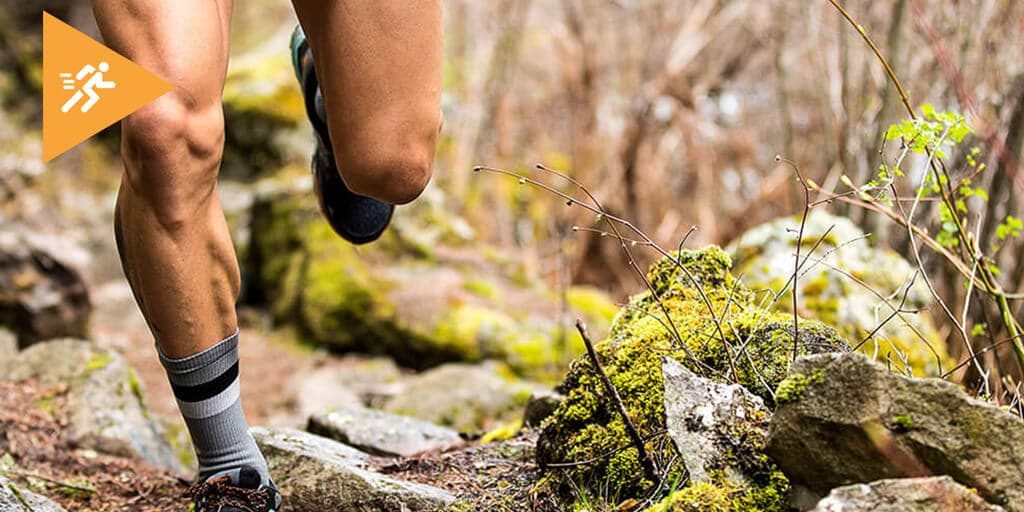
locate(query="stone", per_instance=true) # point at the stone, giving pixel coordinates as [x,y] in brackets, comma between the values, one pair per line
[843,419]
[706,420]
[41,296]
[320,390]
[906,495]
[381,433]
[315,474]
[106,409]
[467,398]
[15,499]
[830,291]
[541,405]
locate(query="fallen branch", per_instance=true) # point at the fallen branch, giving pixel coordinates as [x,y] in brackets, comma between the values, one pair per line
[645,458]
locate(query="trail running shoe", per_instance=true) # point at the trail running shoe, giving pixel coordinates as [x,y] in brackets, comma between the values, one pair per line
[358,219]
[235,491]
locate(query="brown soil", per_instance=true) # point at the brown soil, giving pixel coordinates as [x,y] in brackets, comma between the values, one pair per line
[496,477]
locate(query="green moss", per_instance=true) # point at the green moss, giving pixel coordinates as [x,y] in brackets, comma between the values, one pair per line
[706,497]
[46,404]
[903,422]
[135,385]
[739,342]
[178,437]
[793,386]
[98,361]
[482,288]
[503,432]
[723,494]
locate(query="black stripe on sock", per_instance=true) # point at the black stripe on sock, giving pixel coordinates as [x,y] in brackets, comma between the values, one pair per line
[206,390]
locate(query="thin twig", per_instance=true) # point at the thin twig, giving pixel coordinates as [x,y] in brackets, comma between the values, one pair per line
[645,458]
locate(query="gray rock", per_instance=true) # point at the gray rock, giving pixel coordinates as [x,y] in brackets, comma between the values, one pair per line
[15,499]
[706,420]
[107,411]
[320,390]
[382,433]
[348,381]
[468,398]
[541,405]
[41,296]
[316,474]
[940,493]
[843,419]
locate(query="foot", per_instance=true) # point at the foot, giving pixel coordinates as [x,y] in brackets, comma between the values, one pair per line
[241,490]
[358,219]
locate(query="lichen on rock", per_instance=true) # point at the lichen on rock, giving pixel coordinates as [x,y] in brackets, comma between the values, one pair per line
[734,340]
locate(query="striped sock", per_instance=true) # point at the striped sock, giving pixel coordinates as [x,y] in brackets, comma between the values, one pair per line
[206,387]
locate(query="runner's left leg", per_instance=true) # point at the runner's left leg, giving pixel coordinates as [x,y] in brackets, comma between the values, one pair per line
[379,67]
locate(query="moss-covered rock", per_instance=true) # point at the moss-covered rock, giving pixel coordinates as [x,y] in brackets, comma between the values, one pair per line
[263,107]
[855,421]
[838,288]
[423,301]
[698,315]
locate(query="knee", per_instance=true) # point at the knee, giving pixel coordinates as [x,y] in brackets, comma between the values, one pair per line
[172,152]
[394,166]
[396,178]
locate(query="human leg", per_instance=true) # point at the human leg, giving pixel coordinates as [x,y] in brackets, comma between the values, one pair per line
[379,67]
[170,228]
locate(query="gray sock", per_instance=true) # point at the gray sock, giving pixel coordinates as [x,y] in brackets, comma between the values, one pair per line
[206,387]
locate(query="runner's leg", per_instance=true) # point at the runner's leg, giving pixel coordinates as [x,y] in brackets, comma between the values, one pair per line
[379,67]
[172,236]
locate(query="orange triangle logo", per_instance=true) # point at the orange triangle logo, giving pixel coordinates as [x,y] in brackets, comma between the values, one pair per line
[87,87]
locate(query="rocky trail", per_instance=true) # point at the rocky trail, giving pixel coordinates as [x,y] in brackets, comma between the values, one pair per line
[437,370]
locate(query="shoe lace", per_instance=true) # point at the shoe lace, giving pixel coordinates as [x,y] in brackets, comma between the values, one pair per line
[217,493]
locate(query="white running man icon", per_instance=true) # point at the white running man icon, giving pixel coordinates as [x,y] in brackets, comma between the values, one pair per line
[95,81]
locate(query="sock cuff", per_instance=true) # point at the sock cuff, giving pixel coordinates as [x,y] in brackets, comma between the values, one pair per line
[203,358]
[204,366]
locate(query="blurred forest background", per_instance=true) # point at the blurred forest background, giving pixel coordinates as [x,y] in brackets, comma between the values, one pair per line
[672,113]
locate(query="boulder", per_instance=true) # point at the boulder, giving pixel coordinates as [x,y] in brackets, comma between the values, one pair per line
[316,474]
[381,433]
[15,499]
[906,495]
[830,291]
[843,419]
[425,294]
[106,408]
[740,344]
[468,398]
[41,297]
